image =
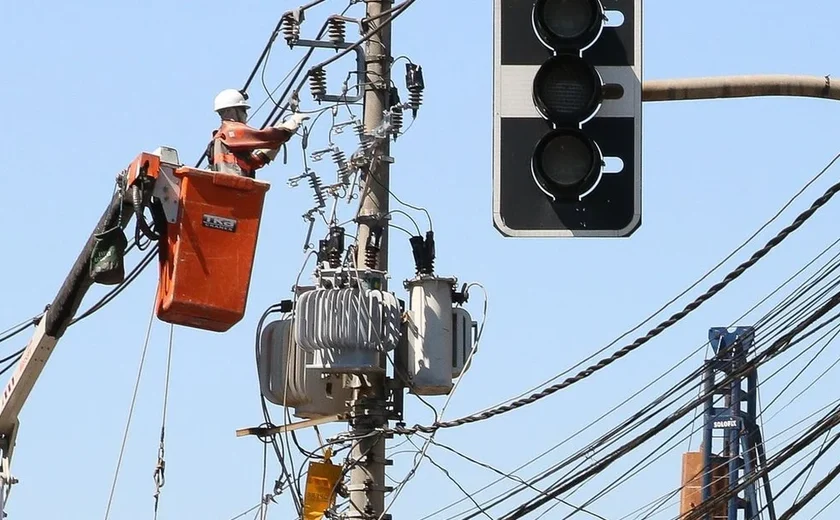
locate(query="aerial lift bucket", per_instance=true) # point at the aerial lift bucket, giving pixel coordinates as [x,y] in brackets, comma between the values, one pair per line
[207,256]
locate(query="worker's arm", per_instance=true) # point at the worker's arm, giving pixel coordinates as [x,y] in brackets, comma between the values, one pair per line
[240,137]
[264,156]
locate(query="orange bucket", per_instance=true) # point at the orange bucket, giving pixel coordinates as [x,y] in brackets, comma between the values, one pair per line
[207,255]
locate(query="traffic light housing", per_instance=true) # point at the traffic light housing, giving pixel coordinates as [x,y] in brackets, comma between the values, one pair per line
[567,118]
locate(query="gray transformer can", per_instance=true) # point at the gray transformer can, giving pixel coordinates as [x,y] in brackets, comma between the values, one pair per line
[428,335]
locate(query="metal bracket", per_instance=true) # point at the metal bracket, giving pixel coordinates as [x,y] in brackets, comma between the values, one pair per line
[265,432]
[6,479]
[167,190]
[360,66]
[342,277]
[369,487]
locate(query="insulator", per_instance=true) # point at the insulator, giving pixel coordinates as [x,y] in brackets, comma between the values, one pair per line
[315,184]
[342,167]
[424,253]
[373,246]
[428,268]
[364,139]
[318,83]
[335,246]
[291,30]
[337,30]
[371,257]
[359,128]
[396,121]
[415,85]
[334,259]
[415,99]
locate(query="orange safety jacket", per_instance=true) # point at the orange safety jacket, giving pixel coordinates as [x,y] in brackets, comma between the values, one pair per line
[234,147]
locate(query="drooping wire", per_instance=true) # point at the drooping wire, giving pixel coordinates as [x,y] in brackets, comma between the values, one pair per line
[160,466]
[394,12]
[510,476]
[614,342]
[451,478]
[20,327]
[114,292]
[799,292]
[448,400]
[130,412]
[281,457]
[710,293]
[400,201]
[670,391]
[779,346]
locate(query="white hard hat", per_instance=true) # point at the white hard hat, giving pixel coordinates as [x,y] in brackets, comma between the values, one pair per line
[230,98]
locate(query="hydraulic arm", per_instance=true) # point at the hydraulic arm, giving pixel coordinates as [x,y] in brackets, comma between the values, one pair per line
[206,224]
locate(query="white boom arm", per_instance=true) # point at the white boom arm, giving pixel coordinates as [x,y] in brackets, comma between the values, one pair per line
[18,388]
[59,314]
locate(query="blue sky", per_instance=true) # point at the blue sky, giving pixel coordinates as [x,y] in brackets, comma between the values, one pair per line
[93,83]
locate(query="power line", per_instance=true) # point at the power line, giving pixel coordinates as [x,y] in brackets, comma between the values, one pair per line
[775,315]
[638,415]
[778,347]
[689,288]
[715,289]
[797,293]
[638,419]
[130,414]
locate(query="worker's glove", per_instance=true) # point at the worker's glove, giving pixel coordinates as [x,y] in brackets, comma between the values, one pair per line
[293,122]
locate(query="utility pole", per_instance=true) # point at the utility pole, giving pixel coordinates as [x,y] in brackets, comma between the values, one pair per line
[367,475]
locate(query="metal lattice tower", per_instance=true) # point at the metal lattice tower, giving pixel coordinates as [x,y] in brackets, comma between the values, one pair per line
[741,449]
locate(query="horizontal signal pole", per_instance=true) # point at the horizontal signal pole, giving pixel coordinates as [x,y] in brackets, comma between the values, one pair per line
[723,87]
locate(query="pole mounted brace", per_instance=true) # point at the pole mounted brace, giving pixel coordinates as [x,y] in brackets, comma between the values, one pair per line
[381,80]
[361,66]
[369,486]
[373,219]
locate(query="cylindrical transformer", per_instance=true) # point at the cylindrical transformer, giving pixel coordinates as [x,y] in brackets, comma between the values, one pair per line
[280,366]
[429,335]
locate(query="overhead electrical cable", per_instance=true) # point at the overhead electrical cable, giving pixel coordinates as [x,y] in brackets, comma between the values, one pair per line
[591,449]
[826,424]
[778,346]
[657,506]
[594,444]
[685,291]
[806,285]
[130,413]
[737,272]
[114,292]
[638,467]
[630,424]
[775,476]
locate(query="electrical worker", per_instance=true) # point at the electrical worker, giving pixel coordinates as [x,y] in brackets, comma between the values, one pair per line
[240,149]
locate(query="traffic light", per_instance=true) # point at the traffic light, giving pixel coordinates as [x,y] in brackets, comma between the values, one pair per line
[567,118]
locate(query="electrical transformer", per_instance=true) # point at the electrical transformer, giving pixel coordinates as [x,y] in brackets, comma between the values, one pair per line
[285,379]
[347,329]
[437,337]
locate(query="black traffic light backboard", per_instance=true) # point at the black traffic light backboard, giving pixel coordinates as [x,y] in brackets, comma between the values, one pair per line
[559,171]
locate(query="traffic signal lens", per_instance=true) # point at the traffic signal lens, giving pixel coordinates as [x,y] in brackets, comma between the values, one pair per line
[567,90]
[569,19]
[569,22]
[567,162]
